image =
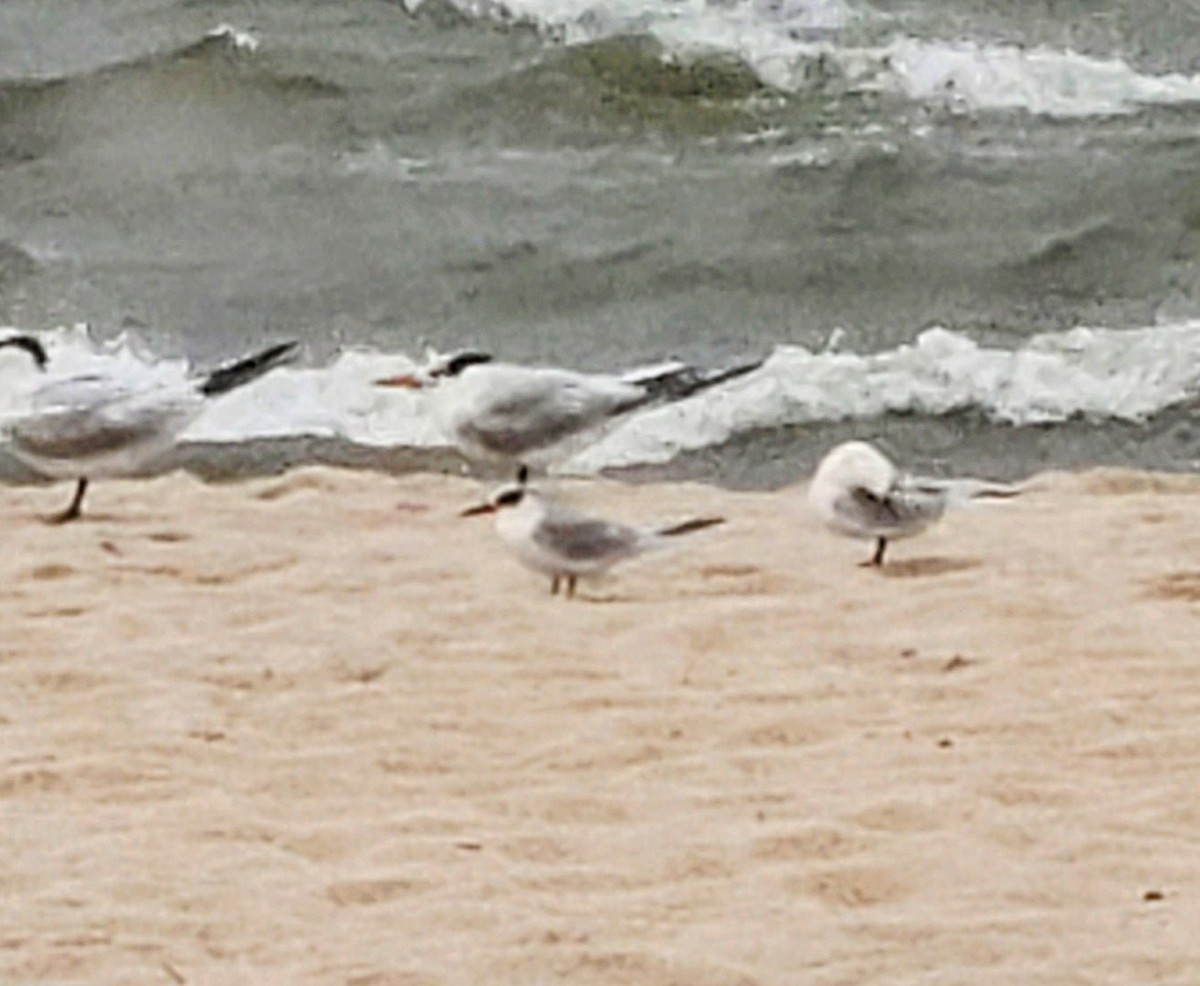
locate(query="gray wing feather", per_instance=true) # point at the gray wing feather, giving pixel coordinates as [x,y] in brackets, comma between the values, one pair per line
[540,414]
[579,538]
[91,415]
[76,434]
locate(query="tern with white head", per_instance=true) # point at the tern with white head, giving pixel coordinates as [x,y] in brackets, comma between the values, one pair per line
[103,425]
[566,544]
[530,414]
[859,493]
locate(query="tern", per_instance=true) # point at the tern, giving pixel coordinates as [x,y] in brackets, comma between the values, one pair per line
[859,493]
[566,544]
[512,413]
[99,425]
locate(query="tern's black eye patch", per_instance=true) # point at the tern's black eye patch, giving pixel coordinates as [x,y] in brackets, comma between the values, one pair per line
[510,498]
[459,362]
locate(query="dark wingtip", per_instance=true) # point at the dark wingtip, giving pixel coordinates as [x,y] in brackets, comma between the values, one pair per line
[278,353]
[242,371]
[738,370]
[684,380]
[690,526]
[31,345]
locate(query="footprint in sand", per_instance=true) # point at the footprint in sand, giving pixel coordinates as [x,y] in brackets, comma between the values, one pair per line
[57,612]
[1182,586]
[787,732]
[364,892]
[854,886]
[918,568]
[35,780]
[729,571]
[391,978]
[740,580]
[211,578]
[51,572]
[592,966]
[168,537]
[813,842]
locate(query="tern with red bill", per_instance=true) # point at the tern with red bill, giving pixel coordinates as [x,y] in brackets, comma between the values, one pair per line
[564,543]
[106,424]
[530,414]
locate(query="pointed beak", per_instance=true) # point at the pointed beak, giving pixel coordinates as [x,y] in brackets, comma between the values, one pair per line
[406,380]
[482,508]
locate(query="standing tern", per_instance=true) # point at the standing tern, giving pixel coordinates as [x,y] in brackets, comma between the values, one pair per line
[859,493]
[99,425]
[565,544]
[514,413]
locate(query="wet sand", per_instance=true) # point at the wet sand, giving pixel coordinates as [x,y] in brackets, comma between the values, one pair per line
[319,730]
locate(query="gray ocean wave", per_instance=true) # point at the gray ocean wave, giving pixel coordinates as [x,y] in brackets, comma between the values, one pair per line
[371,179]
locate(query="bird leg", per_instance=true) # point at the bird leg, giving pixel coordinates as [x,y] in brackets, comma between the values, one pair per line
[571,586]
[554,585]
[75,510]
[876,560]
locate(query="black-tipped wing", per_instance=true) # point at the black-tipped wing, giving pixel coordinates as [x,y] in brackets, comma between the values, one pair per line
[243,371]
[678,382]
[690,526]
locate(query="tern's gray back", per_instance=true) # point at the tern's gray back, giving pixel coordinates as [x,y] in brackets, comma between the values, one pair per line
[84,392]
[579,538]
[544,410]
[73,434]
[93,416]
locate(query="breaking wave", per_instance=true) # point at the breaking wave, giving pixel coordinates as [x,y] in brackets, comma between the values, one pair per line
[1095,374]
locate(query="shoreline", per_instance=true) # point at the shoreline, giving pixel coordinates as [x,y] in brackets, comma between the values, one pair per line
[316,728]
[764,460]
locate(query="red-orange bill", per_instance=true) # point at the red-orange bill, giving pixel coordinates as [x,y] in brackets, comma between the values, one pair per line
[406,380]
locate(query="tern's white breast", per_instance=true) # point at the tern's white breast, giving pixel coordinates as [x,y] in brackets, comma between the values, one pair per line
[517,527]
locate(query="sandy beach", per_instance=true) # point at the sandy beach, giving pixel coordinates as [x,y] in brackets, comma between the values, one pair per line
[318,729]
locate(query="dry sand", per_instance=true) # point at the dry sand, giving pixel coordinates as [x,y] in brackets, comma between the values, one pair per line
[319,730]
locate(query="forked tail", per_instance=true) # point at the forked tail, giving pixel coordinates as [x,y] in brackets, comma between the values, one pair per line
[963,492]
[242,371]
[690,526]
[995,491]
[678,381]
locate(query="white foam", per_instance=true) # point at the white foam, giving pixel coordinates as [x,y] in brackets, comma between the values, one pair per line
[241,40]
[1098,374]
[572,21]
[1006,77]
[782,40]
